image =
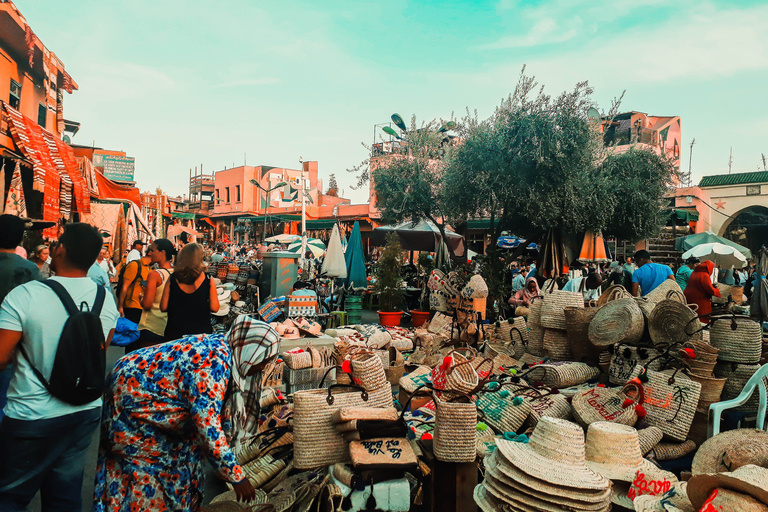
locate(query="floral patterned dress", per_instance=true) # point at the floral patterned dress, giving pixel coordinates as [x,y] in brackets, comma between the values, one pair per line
[161,415]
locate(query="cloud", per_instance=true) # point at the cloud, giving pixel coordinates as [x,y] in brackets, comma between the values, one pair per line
[544,31]
[251,81]
[119,80]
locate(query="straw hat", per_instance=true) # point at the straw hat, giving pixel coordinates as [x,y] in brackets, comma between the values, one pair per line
[223,310]
[726,499]
[674,500]
[532,502]
[671,451]
[613,451]
[291,333]
[223,295]
[649,437]
[487,501]
[555,453]
[730,450]
[750,480]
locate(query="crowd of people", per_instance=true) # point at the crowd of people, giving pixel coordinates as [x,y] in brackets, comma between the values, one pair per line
[180,394]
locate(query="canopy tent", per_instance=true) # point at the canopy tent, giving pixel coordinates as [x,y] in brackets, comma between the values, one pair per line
[686,243]
[421,235]
[593,249]
[355,260]
[282,239]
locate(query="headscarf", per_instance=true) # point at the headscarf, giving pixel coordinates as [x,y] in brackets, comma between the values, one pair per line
[526,294]
[251,342]
[705,266]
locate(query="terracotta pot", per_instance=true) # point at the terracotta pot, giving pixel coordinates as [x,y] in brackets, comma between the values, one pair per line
[419,317]
[390,318]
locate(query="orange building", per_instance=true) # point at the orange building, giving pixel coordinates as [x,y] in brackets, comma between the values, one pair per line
[661,134]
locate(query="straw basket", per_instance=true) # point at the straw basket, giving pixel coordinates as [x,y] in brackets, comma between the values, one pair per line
[418,377]
[498,410]
[262,470]
[711,390]
[661,292]
[619,321]
[739,338]
[455,427]
[536,340]
[552,316]
[626,357]
[514,334]
[394,373]
[607,404]
[725,291]
[613,292]
[554,406]
[562,374]
[534,317]
[704,351]
[577,326]
[298,361]
[368,370]
[736,376]
[556,345]
[670,451]
[667,322]
[649,437]
[700,368]
[316,441]
[462,376]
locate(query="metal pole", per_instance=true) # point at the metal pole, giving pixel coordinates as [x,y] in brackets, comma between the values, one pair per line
[303,215]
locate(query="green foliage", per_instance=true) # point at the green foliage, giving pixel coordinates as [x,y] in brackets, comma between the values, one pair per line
[493,270]
[388,273]
[333,186]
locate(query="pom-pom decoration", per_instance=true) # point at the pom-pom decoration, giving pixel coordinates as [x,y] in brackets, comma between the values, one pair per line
[640,410]
[518,400]
[346,366]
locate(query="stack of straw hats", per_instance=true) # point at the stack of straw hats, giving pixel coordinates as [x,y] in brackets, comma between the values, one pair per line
[613,451]
[674,500]
[549,472]
[730,450]
[745,490]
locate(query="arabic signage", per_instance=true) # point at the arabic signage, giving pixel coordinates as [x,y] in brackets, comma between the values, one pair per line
[118,168]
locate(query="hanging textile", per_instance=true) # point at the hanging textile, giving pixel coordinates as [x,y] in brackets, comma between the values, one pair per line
[14,204]
[60,111]
[65,199]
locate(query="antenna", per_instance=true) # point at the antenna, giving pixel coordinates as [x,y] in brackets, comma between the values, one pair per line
[687,177]
[730,160]
[763,155]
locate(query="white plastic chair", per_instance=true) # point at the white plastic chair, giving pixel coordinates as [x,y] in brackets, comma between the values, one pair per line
[760,381]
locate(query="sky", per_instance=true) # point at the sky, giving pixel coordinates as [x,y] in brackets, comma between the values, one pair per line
[179,84]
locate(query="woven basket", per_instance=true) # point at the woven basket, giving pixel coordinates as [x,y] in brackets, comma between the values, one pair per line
[514,333]
[455,427]
[418,377]
[273,375]
[552,316]
[461,376]
[661,292]
[368,370]
[626,357]
[704,351]
[711,390]
[670,405]
[607,404]
[619,321]
[743,345]
[562,374]
[670,451]
[613,292]
[394,373]
[536,340]
[298,361]
[498,410]
[316,442]
[667,322]
[554,406]
[262,470]
[736,376]
[556,346]
[700,368]
[534,317]
[604,361]
[577,326]
[649,437]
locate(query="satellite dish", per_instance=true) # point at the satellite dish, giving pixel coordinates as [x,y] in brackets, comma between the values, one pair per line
[398,121]
[593,114]
[390,131]
[66,139]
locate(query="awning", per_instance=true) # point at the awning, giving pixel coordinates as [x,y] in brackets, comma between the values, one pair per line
[686,215]
[320,224]
[177,229]
[209,221]
[183,215]
[109,189]
[481,223]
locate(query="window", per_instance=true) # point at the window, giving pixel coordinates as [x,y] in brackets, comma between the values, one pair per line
[218,195]
[42,114]
[237,193]
[226,189]
[14,99]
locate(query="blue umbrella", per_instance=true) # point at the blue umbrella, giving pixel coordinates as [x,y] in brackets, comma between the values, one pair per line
[355,260]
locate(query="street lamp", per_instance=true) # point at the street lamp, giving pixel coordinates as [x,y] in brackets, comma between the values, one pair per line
[266,193]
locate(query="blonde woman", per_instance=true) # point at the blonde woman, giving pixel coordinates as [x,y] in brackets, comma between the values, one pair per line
[190,296]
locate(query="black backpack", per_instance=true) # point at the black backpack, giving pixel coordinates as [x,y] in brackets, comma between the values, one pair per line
[79,369]
[121,277]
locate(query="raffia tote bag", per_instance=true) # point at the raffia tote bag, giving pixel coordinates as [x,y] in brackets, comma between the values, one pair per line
[562,374]
[552,316]
[315,439]
[662,291]
[515,334]
[368,370]
[455,429]
[455,373]
[608,404]
[498,409]
[577,325]
[670,402]
[739,338]
[626,357]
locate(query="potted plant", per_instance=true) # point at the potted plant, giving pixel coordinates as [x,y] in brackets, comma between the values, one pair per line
[426,265]
[388,282]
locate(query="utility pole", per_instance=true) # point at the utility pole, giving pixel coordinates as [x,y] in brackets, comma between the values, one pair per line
[687,181]
[730,160]
[764,167]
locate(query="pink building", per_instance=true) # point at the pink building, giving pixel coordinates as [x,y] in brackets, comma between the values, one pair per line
[661,134]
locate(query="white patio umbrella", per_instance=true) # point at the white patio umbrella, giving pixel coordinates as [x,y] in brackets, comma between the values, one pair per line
[283,238]
[720,254]
[313,244]
[334,264]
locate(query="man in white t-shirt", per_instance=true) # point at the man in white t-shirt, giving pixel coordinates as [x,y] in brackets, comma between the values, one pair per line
[135,254]
[43,440]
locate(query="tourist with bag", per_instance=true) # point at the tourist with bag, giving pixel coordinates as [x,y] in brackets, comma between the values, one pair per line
[130,287]
[172,397]
[54,399]
[153,321]
[649,275]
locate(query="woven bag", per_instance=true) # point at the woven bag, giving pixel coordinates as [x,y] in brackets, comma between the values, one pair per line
[670,402]
[739,338]
[619,321]
[315,440]
[545,404]
[497,409]
[552,316]
[455,373]
[298,361]
[736,376]
[577,326]
[608,404]
[536,340]
[668,320]
[562,374]
[514,334]
[556,346]
[711,391]
[534,315]
[368,369]
[613,292]
[626,357]
[455,430]
[661,292]
[418,377]
[670,451]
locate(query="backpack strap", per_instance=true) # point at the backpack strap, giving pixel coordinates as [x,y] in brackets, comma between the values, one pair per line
[69,304]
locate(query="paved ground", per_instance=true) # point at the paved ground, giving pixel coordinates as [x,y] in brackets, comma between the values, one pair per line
[213,485]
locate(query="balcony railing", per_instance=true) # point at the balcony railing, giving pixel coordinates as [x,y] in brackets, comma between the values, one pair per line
[631,136]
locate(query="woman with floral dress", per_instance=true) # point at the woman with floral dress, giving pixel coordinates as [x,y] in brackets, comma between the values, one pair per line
[162,413]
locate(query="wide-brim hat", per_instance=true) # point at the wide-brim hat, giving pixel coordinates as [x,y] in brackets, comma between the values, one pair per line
[730,450]
[223,295]
[487,501]
[523,501]
[652,483]
[291,333]
[649,437]
[223,310]
[555,453]
[750,480]
[613,450]
[674,500]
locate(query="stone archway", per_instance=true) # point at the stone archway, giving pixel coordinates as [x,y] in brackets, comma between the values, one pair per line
[748,227]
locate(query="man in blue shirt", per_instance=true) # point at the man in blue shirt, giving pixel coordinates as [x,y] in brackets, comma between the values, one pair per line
[648,275]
